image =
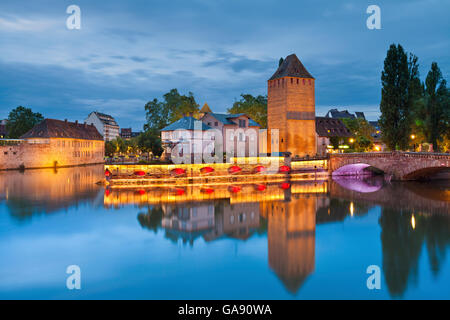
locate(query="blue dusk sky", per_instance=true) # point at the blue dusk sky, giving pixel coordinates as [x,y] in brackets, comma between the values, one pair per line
[129,52]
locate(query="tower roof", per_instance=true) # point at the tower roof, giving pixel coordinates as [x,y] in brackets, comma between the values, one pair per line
[205,109]
[291,67]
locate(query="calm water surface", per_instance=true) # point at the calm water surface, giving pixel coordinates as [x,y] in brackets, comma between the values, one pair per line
[302,240]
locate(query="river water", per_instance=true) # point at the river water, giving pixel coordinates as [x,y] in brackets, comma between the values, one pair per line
[290,240]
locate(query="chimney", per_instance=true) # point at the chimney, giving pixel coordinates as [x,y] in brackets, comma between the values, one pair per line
[76,121]
[65,120]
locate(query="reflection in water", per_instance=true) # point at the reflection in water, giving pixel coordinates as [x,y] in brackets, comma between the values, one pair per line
[361,184]
[403,239]
[290,218]
[288,214]
[291,239]
[48,190]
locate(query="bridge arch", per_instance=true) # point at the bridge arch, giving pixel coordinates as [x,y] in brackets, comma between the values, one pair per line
[355,169]
[399,165]
[425,173]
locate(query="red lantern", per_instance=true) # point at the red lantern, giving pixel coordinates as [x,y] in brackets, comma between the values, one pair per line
[285,169]
[141,192]
[207,190]
[285,185]
[139,173]
[107,192]
[259,169]
[234,189]
[234,169]
[177,172]
[179,191]
[260,187]
[107,173]
[206,170]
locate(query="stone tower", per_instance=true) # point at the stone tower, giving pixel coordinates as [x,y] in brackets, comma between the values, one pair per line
[291,109]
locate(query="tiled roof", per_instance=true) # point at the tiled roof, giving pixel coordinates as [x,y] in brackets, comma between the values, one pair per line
[106,118]
[360,115]
[51,128]
[336,114]
[224,118]
[329,127]
[186,123]
[291,67]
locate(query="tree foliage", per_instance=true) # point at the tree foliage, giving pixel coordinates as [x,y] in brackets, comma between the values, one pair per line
[161,113]
[399,79]
[254,107]
[21,120]
[436,121]
[362,131]
[150,141]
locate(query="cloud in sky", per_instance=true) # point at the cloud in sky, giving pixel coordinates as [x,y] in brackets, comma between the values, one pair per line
[129,52]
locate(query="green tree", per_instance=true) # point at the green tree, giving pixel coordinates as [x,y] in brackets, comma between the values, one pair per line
[436,123]
[399,91]
[21,120]
[161,113]
[150,141]
[254,107]
[362,131]
[110,148]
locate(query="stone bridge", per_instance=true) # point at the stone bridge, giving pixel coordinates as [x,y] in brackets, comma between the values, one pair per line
[398,165]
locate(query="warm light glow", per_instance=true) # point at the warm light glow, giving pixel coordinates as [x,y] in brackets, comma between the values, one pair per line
[377,148]
[352,209]
[413,137]
[413,222]
[351,140]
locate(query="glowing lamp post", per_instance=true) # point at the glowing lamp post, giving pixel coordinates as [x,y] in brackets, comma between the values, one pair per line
[413,137]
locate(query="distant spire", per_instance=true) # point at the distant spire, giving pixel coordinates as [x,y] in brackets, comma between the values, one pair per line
[291,67]
[205,109]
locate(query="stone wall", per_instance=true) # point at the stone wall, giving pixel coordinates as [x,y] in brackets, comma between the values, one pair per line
[46,153]
[400,165]
[291,110]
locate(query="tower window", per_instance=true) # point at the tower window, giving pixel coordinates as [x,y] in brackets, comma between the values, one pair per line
[297,81]
[303,81]
[292,80]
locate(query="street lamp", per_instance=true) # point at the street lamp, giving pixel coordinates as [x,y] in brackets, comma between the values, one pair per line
[414,144]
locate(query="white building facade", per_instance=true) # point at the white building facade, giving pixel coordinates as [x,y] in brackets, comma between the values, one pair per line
[105,124]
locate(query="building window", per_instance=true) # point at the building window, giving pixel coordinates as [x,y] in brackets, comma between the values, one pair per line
[241,123]
[216,123]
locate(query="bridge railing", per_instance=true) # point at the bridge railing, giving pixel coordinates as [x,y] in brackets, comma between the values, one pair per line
[393,153]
